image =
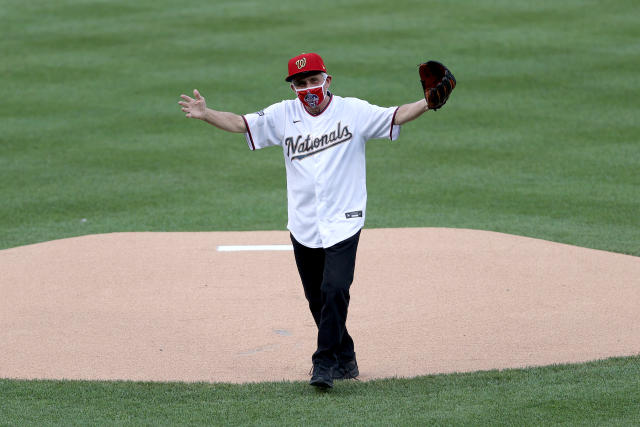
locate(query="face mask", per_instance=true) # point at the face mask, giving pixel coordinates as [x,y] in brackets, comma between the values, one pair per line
[312,96]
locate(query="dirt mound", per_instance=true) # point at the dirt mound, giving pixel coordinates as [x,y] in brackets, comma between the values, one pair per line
[171,307]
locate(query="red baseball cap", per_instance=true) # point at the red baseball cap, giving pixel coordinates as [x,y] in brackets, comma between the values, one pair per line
[305,63]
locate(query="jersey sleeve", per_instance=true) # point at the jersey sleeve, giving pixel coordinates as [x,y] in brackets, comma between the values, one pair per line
[265,128]
[377,122]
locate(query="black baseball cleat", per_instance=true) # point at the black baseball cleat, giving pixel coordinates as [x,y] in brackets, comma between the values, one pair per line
[322,376]
[346,370]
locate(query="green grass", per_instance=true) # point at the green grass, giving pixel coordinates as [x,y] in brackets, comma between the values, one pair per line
[596,393]
[540,138]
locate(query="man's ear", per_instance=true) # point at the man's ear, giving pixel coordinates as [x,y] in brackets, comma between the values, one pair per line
[292,88]
[328,82]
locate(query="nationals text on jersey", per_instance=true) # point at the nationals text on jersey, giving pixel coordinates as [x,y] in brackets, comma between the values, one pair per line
[302,148]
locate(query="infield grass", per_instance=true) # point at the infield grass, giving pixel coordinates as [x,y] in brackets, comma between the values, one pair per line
[540,138]
[599,393]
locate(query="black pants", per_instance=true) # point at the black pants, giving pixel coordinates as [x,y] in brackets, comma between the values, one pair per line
[327,274]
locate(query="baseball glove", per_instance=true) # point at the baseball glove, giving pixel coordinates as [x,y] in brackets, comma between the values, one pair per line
[437,83]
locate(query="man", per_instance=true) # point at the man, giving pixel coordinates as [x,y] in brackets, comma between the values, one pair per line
[323,138]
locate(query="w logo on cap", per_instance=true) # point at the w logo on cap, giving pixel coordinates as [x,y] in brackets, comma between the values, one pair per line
[305,63]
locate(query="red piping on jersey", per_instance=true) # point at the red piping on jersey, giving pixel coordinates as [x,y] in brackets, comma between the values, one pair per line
[393,119]
[323,110]
[253,147]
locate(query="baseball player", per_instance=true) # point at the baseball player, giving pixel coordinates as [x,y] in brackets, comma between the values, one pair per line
[323,138]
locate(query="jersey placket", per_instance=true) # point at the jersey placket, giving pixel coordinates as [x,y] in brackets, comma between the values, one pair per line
[321,198]
[319,128]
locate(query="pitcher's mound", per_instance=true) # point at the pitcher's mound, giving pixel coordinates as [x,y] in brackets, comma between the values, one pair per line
[172,307]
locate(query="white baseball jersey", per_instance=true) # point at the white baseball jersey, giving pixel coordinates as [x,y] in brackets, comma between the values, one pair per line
[325,162]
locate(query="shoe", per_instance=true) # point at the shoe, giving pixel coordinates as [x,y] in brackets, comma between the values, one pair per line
[322,376]
[346,370]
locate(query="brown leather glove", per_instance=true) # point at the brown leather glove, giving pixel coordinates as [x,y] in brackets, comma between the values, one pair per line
[437,83]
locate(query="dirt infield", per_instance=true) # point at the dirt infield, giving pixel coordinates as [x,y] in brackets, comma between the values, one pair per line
[171,307]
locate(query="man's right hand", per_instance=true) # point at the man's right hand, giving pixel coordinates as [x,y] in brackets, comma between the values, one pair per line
[197,109]
[194,108]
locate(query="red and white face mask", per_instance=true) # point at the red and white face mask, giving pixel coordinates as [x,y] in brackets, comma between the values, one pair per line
[312,96]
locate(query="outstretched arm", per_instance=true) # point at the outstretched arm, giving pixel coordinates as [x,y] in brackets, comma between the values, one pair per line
[408,112]
[197,109]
